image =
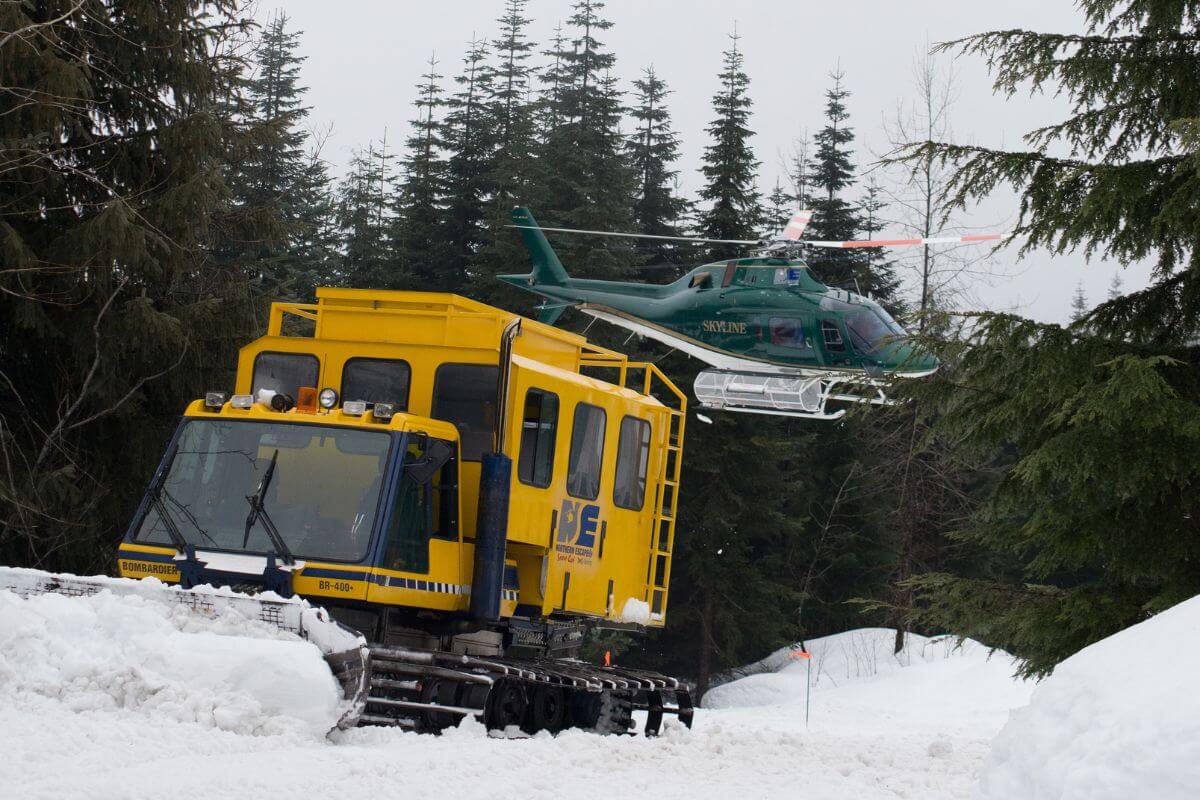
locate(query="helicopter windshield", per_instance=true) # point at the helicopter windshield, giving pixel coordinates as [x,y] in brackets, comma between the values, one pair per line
[868,331]
[322,496]
[869,325]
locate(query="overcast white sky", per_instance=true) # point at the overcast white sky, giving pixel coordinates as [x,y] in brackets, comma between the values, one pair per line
[365,56]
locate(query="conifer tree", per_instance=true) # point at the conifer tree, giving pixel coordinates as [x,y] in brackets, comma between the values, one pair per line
[730,169]
[879,265]
[1079,303]
[509,76]
[1115,286]
[420,196]
[469,137]
[314,255]
[834,216]
[364,214]
[113,309]
[585,178]
[277,173]
[1092,525]
[653,149]
[780,206]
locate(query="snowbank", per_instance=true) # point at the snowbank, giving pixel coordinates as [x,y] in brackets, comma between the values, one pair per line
[1119,719]
[955,675]
[127,654]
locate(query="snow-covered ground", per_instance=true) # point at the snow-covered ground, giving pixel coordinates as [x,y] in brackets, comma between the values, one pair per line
[111,697]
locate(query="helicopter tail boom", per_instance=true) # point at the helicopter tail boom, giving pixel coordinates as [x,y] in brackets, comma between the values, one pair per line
[547,269]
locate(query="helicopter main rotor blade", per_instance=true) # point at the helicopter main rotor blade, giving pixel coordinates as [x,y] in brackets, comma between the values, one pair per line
[796,225]
[969,239]
[641,235]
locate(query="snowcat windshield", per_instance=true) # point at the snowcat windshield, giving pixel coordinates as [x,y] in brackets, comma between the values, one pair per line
[323,496]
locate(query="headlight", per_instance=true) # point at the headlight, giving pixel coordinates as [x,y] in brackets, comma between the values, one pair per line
[328,398]
[282,402]
[383,411]
[354,408]
[215,400]
[242,400]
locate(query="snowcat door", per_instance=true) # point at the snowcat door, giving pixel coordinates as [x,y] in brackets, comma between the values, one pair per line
[421,563]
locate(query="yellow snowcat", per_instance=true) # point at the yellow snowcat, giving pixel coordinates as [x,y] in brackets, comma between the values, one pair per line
[469,490]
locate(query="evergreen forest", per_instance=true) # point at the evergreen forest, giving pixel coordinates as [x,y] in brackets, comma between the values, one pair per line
[1038,493]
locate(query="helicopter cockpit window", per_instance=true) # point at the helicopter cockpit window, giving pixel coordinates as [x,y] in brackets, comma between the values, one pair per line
[868,331]
[832,336]
[788,332]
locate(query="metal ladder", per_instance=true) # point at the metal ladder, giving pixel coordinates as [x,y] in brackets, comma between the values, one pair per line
[662,538]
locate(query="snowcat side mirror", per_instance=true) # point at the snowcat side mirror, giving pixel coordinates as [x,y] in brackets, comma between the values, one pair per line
[437,453]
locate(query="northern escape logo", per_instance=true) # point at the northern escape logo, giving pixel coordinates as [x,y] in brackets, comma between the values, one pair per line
[578,524]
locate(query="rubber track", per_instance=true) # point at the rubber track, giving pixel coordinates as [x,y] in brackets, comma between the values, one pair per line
[428,690]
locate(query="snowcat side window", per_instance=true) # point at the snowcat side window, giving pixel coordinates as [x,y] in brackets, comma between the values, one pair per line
[587,452]
[465,394]
[376,380]
[788,332]
[411,523]
[633,455]
[833,336]
[445,499]
[284,372]
[539,429]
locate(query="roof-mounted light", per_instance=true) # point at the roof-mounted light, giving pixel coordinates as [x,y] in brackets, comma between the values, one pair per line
[276,401]
[306,399]
[328,397]
[215,400]
[354,408]
[241,400]
[383,411]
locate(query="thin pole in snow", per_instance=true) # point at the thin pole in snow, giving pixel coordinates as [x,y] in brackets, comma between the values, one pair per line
[807,656]
[808,691]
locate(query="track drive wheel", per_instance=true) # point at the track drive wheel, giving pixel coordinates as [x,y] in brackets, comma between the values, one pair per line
[547,710]
[603,712]
[506,705]
[444,693]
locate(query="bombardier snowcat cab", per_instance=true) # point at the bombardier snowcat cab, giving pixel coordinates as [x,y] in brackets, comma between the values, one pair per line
[458,484]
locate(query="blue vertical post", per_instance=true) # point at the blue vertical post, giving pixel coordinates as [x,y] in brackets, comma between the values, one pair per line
[491,535]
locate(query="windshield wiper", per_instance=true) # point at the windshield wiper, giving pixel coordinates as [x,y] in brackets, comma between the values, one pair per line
[177,538]
[186,513]
[258,512]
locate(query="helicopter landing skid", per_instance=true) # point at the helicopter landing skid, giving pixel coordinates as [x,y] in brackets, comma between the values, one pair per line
[804,396]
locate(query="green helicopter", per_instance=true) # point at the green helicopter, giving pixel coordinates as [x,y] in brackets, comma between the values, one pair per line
[778,340]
